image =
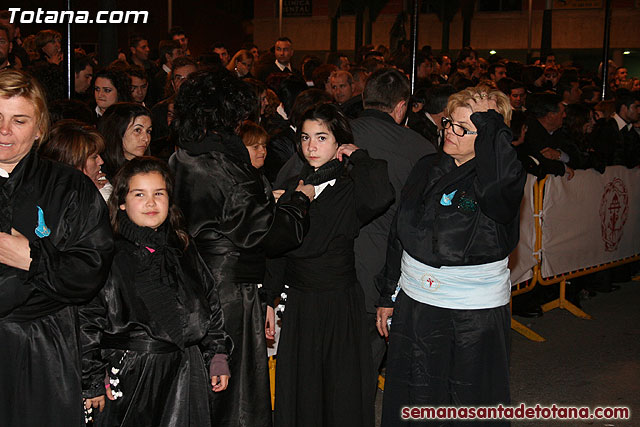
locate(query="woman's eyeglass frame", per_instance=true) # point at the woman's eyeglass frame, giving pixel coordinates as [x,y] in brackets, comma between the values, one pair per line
[447,122]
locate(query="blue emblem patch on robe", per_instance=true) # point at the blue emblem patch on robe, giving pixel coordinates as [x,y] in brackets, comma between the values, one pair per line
[447,198]
[41,230]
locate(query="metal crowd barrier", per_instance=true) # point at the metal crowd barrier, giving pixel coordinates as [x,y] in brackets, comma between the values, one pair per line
[560,302]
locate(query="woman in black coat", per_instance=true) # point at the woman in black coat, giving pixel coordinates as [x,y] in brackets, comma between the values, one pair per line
[232,215]
[55,251]
[446,279]
[323,375]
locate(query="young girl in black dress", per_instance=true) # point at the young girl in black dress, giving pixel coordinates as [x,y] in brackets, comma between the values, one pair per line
[155,329]
[323,373]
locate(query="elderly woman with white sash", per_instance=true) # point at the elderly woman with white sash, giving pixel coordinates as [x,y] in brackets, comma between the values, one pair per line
[446,280]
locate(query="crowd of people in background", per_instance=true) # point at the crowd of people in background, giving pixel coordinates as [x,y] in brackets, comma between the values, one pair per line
[227,175]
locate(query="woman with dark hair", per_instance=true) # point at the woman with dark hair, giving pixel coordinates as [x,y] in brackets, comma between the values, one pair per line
[260,90]
[324,368]
[110,86]
[79,145]
[576,128]
[126,128]
[155,329]
[232,216]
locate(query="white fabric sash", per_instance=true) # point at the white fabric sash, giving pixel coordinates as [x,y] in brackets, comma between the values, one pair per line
[465,287]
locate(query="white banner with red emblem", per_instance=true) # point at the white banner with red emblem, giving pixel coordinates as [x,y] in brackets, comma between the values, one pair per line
[590,220]
[522,260]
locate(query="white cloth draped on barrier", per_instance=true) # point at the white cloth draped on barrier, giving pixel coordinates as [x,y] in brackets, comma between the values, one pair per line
[522,260]
[592,219]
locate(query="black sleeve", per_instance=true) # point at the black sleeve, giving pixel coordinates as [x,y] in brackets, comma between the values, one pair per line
[501,178]
[372,190]
[538,165]
[274,279]
[93,322]
[235,203]
[290,224]
[387,280]
[216,341]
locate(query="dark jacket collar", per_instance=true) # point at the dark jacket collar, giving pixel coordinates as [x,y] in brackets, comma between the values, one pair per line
[227,144]
[23,171]
[370,112]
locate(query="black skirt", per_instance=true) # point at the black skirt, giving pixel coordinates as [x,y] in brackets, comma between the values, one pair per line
[323,371]
[445,357]
[158,389]
[247,400]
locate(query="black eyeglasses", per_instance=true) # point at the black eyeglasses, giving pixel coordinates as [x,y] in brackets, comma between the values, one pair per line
[457,129]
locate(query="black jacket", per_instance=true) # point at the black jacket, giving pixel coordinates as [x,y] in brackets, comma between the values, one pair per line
[161,302]
[353,107]
[537,138]
[231,213]
[38,308]
[282,145]
[325,259]
[481,224]
[383,138]
[420,123]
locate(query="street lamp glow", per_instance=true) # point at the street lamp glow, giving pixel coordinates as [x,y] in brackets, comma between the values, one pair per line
[626,52]
[492,52]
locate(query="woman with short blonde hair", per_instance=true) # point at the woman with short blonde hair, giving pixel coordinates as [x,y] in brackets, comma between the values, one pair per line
[446,272]
[55,252]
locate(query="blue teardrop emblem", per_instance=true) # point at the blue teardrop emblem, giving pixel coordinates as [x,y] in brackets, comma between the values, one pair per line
[42,230]
[447,198]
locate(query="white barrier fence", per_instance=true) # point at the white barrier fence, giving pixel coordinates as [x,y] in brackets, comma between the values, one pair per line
[590,220]
[522,259]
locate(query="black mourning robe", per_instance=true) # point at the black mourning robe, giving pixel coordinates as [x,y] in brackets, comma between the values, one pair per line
[481,225]
[440,356]
[39,356]
[323,374]
[231,214]
[158,321]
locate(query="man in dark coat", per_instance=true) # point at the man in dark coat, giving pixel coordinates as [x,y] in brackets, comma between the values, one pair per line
[544,141]
[378,130]
[628,113]
[283,51]
[55,253]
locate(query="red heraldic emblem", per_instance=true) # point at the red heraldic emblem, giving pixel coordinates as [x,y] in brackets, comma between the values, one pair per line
[614,209]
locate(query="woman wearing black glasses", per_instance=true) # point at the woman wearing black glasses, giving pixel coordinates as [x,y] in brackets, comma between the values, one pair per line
[446,278]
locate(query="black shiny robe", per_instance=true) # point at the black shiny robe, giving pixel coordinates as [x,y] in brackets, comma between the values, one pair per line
[162,307]
[39,356]
[232,216]
[482,223]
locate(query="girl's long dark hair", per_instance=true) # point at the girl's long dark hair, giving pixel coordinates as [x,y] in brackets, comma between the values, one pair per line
[142,165]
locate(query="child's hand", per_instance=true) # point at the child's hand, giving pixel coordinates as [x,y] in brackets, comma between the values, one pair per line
[219,383]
